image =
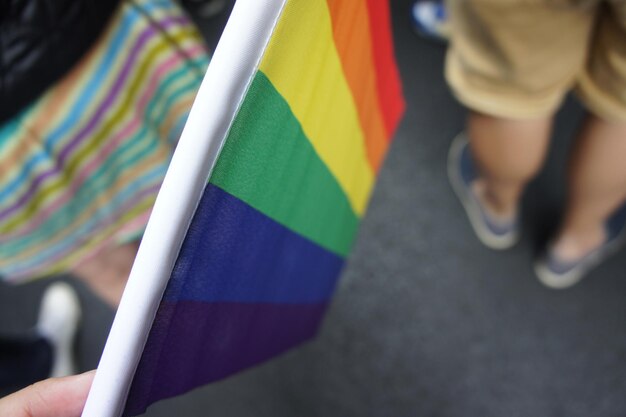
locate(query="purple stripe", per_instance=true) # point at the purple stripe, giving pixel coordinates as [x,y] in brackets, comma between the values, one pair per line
[193,343]
[119,82]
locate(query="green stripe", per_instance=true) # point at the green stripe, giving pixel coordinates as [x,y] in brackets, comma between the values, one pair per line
[268,162]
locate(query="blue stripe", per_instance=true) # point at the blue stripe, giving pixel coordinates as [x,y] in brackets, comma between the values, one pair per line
[234,253]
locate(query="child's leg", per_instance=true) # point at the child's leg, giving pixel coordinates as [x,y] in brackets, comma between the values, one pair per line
[597,186]
[508,153]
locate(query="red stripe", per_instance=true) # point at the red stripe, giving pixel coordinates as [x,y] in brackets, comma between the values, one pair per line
[387,76]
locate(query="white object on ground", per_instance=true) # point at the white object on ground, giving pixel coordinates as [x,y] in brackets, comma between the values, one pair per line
[59,316]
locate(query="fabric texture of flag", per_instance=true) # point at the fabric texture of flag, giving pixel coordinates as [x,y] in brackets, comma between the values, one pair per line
[278,216]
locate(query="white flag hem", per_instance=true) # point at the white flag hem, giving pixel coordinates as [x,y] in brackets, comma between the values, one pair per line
[228,77]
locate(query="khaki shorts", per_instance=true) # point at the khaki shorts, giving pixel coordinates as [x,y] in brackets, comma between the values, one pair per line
[518,58]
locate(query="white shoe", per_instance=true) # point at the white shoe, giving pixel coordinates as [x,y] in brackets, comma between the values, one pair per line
[59,316]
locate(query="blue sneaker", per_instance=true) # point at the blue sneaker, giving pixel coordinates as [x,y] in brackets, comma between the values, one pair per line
[558,274]
[430,19]
[492,232]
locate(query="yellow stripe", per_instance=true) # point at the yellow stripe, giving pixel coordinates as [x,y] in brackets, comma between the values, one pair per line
[302,63]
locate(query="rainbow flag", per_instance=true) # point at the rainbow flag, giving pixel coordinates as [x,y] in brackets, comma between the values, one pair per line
[291,158]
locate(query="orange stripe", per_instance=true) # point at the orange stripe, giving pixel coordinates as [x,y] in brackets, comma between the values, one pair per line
[352,37]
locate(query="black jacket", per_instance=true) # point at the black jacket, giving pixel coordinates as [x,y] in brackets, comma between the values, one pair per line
[40,41]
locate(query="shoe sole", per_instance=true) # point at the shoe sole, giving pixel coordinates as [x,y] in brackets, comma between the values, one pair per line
[474,214]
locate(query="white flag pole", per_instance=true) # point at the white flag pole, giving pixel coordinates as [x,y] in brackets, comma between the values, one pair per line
[228,77]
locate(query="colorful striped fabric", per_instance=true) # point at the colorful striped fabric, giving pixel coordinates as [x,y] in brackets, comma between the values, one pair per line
[272,229]
[81,167]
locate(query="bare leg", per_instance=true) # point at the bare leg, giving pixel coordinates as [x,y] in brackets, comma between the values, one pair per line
[597,186]
[108,272]
[508,153]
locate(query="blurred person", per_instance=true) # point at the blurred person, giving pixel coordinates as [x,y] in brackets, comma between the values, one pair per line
[511,63]
[56,397]
[93,98]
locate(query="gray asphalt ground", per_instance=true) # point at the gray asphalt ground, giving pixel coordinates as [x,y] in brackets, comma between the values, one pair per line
[426,322]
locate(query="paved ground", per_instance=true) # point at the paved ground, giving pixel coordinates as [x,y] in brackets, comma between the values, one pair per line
[427,322]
